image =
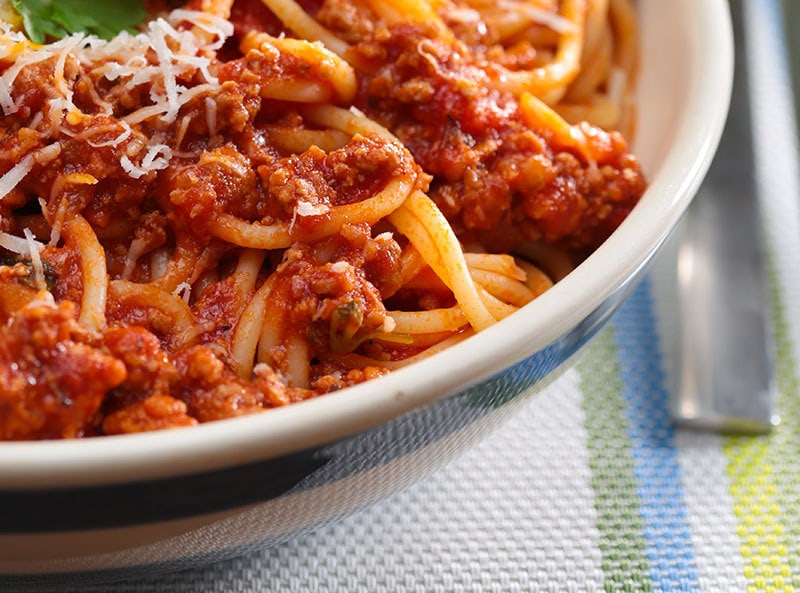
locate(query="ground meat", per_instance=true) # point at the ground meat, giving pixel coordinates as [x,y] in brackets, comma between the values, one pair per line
[584,204]
[329,295]
[212,392]
[344,176]
[493,176]
[354,21]
[330,301]
[157,412]
[152,185]
[149,369]
[335,380]
[222,180]
[53,375]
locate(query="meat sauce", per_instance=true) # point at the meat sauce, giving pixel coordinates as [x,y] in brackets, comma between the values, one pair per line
[60,380]
[496,180]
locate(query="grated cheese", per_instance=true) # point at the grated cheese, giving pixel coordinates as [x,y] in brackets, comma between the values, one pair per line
[65,47]
[6,100]
[130,168]
[164,107]
[309,209]
[160,57]
[158,35]
[11,39]
[184,125]
[47,153]
[214,25]
[124,135]
[14,175]
[11,178]
[58,222]
[14,244]
[156,159]
[184,291]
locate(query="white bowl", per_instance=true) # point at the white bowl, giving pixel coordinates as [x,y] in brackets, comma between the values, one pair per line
[117,506]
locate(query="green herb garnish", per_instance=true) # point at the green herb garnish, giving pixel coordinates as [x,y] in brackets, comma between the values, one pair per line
[46,19]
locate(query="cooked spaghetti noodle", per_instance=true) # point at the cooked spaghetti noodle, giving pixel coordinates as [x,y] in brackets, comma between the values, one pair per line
[248,204]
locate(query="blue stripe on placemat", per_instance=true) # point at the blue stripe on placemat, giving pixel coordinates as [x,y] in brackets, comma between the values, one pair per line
[667,532]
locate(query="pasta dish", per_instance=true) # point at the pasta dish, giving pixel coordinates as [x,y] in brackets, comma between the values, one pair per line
[244,204]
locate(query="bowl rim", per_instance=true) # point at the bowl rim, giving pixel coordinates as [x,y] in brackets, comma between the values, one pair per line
[227,443]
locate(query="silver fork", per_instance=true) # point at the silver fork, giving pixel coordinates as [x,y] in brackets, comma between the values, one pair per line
[725,366]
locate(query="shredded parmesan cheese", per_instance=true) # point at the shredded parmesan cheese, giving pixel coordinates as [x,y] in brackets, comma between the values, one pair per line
[14,175]
[11,178]
[14,244]
[161,57]
[304,209]
[6,100]
[124,135]
[47,153]
[156,159]
[11,40]
[184,125]
[130,168]
[164,107]
[216,26]
[184,291]
[309,209]
[58,223]
[67,45]
[158,33]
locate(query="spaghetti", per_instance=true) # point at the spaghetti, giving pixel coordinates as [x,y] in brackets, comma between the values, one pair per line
[248,204]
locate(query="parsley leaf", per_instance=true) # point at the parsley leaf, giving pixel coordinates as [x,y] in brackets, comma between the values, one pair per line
[44,19]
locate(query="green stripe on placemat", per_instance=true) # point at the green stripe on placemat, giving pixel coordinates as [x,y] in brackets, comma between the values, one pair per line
[765,481]
[619,521]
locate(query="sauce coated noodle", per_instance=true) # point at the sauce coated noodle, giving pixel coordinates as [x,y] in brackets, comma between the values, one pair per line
[248,204]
